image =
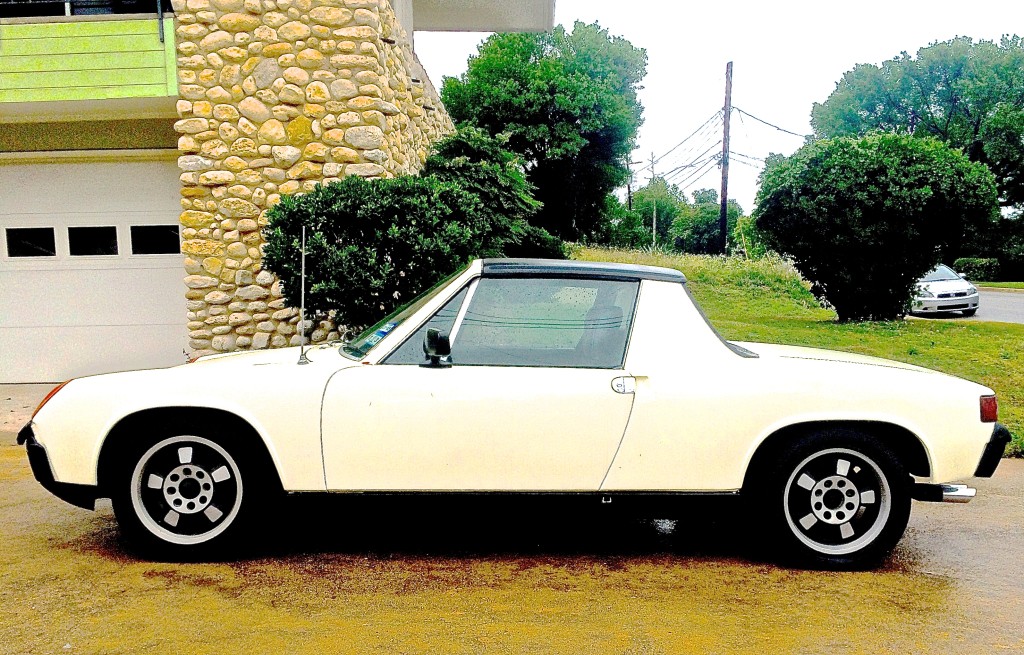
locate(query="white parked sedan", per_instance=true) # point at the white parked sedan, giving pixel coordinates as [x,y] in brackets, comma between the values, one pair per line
[943,290]
[601,385]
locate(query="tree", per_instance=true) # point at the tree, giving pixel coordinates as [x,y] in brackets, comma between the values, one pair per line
[697,228]
[568,102]
[864,219]
[374,245]
[662,200]
[966,94]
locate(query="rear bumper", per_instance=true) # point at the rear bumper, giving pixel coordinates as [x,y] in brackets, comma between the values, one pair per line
[993,451]
[79,495]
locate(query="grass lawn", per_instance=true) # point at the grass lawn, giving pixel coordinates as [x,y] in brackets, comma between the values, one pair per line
[765,300]
[1001,285]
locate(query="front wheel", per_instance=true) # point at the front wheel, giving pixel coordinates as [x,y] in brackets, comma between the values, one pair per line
[183,495]
[839,500]
[970,312]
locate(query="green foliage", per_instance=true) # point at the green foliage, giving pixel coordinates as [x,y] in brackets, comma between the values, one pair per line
[662,200]
[747,239]
[624,228]
[977,268]
[568,102]
[863,219]
[697,230]
[966,94]
[374,245]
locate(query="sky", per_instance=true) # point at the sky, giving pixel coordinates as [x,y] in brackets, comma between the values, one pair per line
[786,56]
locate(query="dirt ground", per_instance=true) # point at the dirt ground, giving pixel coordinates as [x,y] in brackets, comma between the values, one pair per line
[327,582]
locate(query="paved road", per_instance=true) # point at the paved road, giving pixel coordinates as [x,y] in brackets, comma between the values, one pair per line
[1003,305]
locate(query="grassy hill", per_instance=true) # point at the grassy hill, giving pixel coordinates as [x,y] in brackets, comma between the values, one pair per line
[767,301]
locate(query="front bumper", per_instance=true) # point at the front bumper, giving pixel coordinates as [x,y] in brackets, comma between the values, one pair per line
[938,305]
[79,495]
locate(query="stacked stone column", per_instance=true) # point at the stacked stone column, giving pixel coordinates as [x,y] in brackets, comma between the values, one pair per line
[278,96]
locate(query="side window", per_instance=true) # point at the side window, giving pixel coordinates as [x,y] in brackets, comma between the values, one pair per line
[411,351]
[546,322]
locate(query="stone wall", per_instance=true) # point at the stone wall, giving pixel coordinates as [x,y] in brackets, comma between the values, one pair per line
[278,96]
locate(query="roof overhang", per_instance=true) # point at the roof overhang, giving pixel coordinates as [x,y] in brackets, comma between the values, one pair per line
[483,15]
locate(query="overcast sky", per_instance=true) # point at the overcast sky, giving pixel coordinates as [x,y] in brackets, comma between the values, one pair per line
[786,55]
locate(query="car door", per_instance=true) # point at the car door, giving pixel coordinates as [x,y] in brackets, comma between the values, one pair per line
[534,400]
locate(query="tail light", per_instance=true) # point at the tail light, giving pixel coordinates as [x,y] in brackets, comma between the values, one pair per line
[989,409]
[53,392]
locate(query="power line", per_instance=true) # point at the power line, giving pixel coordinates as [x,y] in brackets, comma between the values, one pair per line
[698,174]
[709,134]
[717,114]
[747,163]
[740,154]
[761,120]
[698,160]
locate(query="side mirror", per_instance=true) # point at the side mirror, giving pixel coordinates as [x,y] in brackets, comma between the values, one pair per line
[436,347]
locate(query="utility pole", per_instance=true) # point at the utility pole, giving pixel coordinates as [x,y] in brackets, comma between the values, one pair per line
[654,209]
[723,215]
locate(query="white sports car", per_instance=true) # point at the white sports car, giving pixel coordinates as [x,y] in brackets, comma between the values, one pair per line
[598,384]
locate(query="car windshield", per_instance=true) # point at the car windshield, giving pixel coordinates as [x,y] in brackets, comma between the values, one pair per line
[940,273]
[365,342]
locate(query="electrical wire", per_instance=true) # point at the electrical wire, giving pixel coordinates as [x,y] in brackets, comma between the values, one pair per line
[697,175]
[697,161]
[717,114]
[761,120]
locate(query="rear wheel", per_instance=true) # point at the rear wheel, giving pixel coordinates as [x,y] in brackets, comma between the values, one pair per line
[183,495]
[837,499]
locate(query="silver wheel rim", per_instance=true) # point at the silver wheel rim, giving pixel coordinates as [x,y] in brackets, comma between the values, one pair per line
[837,501]
[186,490]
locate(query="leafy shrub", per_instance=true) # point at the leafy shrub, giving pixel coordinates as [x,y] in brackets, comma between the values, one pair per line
[374,245]
[863,219]
[977,268]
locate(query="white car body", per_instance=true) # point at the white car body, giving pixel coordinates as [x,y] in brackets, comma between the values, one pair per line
[685,411]
[943,290]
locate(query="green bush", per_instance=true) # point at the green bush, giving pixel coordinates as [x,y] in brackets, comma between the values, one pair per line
[864,219]
[374,245]
[977,268]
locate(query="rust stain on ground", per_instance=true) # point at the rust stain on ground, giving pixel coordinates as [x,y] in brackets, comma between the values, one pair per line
[326,582]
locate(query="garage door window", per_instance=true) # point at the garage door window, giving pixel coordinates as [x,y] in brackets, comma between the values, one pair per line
[155,240]
[31,242]
[92,241]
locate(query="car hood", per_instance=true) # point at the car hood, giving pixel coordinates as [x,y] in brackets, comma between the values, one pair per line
[274,356]
[945,286]
[817,354]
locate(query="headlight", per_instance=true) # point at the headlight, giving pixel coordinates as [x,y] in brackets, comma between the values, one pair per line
[924,293]
[972,289]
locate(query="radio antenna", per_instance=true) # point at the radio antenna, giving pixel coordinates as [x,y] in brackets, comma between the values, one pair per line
[302,304]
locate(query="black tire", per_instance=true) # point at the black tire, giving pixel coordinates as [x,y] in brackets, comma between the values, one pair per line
[970,312]
[835,499]
[183,496]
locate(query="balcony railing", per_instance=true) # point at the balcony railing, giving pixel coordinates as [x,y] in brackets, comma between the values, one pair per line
[35,8]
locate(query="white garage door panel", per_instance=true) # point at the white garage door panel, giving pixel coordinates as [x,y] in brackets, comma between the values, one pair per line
[64,316]
[81,298]
[57,354]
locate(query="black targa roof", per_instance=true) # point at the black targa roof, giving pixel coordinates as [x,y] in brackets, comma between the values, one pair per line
[570,268]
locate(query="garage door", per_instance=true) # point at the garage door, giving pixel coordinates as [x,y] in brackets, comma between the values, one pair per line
[90,269]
